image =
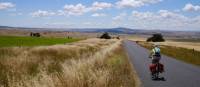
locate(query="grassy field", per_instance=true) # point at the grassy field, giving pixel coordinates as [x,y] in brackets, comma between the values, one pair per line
[87,63]
[183,43]
[187,45]
[9,41]
[184,54]
[186,40]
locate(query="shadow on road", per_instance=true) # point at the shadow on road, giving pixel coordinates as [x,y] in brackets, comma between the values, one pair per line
[159,79]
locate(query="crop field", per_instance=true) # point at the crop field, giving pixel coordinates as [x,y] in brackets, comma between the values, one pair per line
[58,34]
[180,53]
[197,40]
[187,45]
[10,41]
[183,43]
[86,63]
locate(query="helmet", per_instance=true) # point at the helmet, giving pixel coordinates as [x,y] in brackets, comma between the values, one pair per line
[155,44]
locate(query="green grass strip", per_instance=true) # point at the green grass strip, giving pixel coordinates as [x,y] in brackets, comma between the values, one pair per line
[10,41]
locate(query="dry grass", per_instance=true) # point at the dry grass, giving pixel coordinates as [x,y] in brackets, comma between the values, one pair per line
[183,54]
[183,43]
[188,45]
[89,63]
[47,33]
[137,38]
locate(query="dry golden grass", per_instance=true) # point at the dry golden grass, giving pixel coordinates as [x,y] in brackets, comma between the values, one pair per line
[88,63]
[13,32]
[188,45]
[183,54]
[137,38]
[172,42]
[24,32]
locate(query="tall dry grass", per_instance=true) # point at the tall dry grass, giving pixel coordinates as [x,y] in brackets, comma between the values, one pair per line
[89,63]
[187,55]
[187,45]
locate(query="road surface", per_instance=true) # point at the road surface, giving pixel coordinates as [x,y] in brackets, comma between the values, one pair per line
[177,73]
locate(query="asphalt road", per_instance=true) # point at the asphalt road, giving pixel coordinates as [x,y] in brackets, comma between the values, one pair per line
[177,73]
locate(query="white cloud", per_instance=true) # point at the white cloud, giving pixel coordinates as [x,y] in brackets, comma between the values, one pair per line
[41,13]
[98,15]
[143,15]
[164,19]
[190,7]
[78,9]
[135,3]
[164,14]
[129,3]
[6,5]
[100,5]
[117,20]
[168,14]
[119,17]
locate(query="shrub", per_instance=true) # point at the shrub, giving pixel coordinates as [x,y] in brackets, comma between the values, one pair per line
[105,36]
[156,38]
[35,34]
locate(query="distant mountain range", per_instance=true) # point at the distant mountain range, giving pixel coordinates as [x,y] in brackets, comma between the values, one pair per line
[119,30]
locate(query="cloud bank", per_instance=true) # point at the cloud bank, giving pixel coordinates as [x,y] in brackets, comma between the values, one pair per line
[191,7]
[6,5]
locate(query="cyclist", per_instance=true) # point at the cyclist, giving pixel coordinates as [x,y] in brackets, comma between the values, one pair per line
[155,54]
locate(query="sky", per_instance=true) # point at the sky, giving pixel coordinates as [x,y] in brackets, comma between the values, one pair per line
[136,14]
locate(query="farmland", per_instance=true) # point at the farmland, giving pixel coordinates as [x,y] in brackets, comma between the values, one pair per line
[180,53]
[187,45]
[10,41]
[86,63]
[174,42]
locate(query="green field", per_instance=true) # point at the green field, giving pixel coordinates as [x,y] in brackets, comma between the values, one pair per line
[10,41]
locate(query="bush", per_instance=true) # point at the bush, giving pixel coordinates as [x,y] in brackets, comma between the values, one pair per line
[35,34]
[105,36]
[156,38]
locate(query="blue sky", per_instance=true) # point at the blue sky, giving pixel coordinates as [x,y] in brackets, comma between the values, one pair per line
[140,14]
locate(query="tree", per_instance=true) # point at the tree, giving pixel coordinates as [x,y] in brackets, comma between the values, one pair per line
[105,36]
[156,38]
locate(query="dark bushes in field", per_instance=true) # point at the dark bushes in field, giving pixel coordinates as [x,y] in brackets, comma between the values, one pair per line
[156,38]
[105,36]
[35,34]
